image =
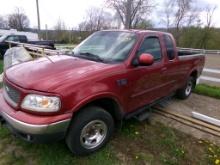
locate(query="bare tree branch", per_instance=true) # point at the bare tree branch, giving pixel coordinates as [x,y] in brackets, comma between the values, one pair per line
[18,20]
[208,26]
[96,19]
[3,23]
[131,11]
[179,14]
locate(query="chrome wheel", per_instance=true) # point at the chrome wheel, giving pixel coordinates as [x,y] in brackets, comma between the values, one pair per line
[189,88]
[93,134]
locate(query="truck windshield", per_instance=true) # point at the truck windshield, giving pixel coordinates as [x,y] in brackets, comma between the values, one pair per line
[106,46]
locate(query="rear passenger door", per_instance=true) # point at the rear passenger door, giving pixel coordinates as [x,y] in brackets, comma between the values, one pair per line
[173,69]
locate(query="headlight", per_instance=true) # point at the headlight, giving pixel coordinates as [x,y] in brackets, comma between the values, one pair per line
[40,103]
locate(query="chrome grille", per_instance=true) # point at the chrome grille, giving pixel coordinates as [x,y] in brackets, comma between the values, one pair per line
[11,94]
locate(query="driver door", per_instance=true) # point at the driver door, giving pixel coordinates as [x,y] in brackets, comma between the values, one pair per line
[147,83]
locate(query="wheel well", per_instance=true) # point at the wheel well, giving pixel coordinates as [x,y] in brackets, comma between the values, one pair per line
[110,105]
[194,74]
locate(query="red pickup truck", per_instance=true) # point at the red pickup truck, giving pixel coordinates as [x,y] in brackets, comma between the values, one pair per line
[111,76]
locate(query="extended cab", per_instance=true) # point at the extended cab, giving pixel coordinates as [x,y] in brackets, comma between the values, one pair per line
[111,76]
[4,45]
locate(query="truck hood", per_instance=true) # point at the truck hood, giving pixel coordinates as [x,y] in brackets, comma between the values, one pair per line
[47,75]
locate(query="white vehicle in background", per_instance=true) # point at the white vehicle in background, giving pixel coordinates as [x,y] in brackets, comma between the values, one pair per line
[30,35]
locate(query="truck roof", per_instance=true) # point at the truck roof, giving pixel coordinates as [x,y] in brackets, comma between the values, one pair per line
[30,35]
[137,31]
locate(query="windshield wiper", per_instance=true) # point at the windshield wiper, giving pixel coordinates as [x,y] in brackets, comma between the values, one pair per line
[90,56]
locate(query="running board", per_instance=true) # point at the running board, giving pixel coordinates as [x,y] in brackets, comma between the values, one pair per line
[145,112]
[144,115]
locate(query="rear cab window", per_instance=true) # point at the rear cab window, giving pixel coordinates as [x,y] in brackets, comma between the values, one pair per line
[170,49]
[22,39]
[152,46]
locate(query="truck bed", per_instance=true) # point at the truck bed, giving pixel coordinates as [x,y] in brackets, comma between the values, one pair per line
[189,52]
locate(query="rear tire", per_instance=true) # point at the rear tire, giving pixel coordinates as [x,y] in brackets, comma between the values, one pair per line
[186,91]
[89,131]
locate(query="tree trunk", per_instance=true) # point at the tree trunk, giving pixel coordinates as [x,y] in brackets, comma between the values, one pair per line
[128,15]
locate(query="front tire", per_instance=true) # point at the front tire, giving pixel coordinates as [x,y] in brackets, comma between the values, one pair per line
[186,91]
[89,131]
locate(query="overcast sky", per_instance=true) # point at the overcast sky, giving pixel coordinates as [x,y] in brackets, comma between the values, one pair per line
[71,12]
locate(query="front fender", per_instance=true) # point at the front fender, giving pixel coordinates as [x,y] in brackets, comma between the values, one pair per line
[95,97]
[85,93]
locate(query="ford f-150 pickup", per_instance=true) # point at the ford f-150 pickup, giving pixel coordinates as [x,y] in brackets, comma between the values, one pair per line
[111,76]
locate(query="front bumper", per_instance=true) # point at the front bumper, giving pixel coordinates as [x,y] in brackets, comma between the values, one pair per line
[35,129]
[31,127]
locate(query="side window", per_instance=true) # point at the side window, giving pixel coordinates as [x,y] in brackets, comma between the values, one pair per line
[9,38]
[12,38]
[152,46]
[170,47]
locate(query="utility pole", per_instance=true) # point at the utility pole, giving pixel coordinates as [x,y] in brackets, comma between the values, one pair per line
[38,16]
[128,15]
[46,32]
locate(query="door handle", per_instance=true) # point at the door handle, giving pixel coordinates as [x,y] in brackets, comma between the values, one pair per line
[164,69]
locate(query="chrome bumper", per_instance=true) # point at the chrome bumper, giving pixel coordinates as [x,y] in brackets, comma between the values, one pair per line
[32,129]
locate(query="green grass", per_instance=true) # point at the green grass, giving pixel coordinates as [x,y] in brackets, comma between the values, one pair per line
[159,144]
[206,90]
[65,46]
[18,152]
[135,143]
[1,66]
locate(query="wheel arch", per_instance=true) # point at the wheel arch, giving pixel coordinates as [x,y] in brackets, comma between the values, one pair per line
[109,103]
[194,74]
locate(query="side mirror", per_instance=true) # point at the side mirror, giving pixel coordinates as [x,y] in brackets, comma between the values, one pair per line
[146,59]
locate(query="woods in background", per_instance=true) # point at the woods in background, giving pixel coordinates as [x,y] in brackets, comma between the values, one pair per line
[191,23]
[16,20]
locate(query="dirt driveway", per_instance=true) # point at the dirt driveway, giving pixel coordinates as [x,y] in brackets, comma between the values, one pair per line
[202,104]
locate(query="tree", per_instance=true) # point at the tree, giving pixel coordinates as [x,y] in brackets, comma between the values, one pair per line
[142,24]
[18,20]
[3,23]
[61,32]
[96,19]
[207,31]
[179,14]
[131,12]
[166,13]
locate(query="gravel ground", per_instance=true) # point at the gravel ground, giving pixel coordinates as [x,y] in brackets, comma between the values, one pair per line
[202,104]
